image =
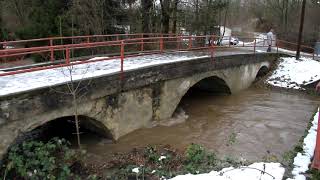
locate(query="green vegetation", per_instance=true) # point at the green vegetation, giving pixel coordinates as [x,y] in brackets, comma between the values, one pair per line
[54,159]
[36,160]
[157,162]
[232,139]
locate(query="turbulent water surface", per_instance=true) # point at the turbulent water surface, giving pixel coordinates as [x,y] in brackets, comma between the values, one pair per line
[252,124]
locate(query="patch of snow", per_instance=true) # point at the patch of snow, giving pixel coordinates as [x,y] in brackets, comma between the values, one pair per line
[260,51]
[293,52]
[98,58]
[135,170]
[45,78]
[302,160]
[162,157]
[272,171]
[293,73]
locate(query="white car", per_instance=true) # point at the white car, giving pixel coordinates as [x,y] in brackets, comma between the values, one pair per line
[232,41]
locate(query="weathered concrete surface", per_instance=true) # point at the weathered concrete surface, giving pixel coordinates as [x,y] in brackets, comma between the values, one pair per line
[146,94]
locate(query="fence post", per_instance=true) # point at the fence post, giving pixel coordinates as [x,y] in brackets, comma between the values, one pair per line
[316,158]
[5,44]
[313,54]
[254,46]
[142,45]
[161,44]
[190,42]
[51,50]
[179,42]
[67,56]
[212,47]
[122,59]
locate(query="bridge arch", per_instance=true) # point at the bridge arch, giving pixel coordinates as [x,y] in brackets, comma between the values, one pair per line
[264,69]
[173,91]
[64,127]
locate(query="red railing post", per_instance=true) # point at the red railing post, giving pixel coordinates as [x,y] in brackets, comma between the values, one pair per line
[122,59]
[161,44]
[142,43]
[212,47]
[190,42]
[316,158]
[67,56]
[51,50]
[5,53]
[179,42]
[254,46]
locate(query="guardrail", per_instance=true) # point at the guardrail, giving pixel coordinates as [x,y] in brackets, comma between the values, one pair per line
[119,46]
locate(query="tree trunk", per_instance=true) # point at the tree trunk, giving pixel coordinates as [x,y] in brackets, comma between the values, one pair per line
[165,10]
[197,14]
[1,25]
[76,117]
[286,16]
[175,9]
[146,11]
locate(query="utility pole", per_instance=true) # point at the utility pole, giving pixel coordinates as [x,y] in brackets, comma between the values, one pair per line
[301,28]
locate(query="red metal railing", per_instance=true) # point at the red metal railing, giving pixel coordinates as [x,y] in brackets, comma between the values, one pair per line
[316,158]
[119,46]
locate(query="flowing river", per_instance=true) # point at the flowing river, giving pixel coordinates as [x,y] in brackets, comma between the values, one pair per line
[252,124]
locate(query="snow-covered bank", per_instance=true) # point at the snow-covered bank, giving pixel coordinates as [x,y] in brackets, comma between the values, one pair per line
[27,81]
[302,160]
[293,73]
[256,171]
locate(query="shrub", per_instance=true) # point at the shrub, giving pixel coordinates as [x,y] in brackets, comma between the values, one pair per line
[38,160]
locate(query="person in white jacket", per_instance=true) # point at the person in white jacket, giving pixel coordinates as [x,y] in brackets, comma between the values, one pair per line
[269,39]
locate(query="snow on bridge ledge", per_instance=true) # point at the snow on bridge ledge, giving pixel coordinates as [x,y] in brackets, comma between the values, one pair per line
[45,78]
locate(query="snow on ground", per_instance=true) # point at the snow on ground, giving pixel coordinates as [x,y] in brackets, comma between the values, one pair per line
[27,81]
[256,171]
[293,52]
[302,160]
[293,73]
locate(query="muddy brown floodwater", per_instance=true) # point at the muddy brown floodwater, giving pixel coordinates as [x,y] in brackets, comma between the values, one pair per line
[251,124]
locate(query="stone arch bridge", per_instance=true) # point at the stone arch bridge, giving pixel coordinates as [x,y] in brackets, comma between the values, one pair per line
[144,95]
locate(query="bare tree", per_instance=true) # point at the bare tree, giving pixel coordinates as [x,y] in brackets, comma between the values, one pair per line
[146,7]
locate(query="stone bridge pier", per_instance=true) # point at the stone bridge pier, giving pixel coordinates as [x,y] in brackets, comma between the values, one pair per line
[114,108]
